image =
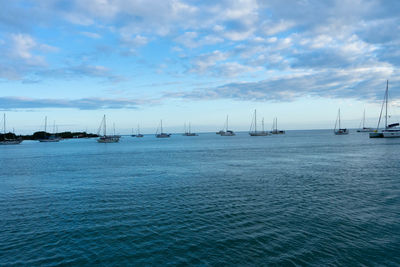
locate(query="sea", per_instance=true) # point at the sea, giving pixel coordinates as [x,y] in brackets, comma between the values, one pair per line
[306,198]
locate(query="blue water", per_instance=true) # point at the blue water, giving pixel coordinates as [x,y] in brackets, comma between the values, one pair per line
[304,198]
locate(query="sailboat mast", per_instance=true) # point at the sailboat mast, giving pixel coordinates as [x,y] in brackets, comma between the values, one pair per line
[262,124]
[387,96]
[4,121]
[138,129]
[227,127]
[161,127]
[190,130]
[339,119]
[364,120]
[114,128]
[255,120]
[105,125]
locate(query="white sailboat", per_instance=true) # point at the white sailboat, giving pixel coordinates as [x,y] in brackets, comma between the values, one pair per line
[391,130]
[275,127]
[364,129]
[106,138]
[188,132]
[162,134]
[5,140]
[254,122]
[339,130]
[227,132]
[49,139]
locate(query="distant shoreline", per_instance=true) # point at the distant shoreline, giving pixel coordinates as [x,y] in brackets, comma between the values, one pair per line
[43,135]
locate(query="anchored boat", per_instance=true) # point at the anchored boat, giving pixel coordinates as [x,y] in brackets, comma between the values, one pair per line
[106,138]
[364,129]
[339,130]
[189,132]
[52,137]
[391,130]
[9,141]
[275,127]
[162,134]
[254,123]
[227,132]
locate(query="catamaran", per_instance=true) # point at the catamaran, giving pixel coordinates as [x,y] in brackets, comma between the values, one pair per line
[275,127]
[49,139]
[162,134]
[364,129]
[254,122]
[391,130]
[7,141]
[189,132]
[339,131]
[227,132]
[106,138]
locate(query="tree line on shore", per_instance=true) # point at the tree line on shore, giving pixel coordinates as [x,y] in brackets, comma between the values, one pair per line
[43,135]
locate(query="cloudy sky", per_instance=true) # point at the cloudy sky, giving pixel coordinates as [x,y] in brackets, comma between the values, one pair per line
[139,61]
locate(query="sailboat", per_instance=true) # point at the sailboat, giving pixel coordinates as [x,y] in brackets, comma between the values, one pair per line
[391,130]
[7,141]
[138,132]
[227,132]
[49,139]
[364,129]
[189,132]
[254,122]
[106,138]
[275,127]
[162,134]
[339,130]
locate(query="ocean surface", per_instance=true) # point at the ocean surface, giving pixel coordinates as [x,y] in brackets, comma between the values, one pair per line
[307,198]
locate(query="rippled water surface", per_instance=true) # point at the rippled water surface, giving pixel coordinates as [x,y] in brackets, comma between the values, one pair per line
[304,198]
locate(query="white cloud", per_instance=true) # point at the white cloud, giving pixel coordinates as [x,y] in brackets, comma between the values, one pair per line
[91,35]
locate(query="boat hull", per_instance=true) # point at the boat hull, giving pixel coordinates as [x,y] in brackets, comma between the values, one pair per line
[366,130]
[49,140]
[341,132]
[10,142]
[389,134]
[163,135]
[108,139]
[258,134]
[277,132]
[376,135]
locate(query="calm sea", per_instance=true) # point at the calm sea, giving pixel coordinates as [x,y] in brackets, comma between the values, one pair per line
[304,198]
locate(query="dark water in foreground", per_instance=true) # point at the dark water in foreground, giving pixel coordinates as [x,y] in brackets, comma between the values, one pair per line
[306,198]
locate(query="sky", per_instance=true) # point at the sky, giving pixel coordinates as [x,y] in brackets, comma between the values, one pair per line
[181,61]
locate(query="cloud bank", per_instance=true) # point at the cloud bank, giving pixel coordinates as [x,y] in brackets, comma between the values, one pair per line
[259,50]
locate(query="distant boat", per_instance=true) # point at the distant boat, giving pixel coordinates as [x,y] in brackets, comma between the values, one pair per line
[227,132]
[391,130]
[49,139]
[275,127]
[364,129]
[162,134]
[7,141]
[339,130]
[254,122]
[189,132]
[106,138]
[138,132]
